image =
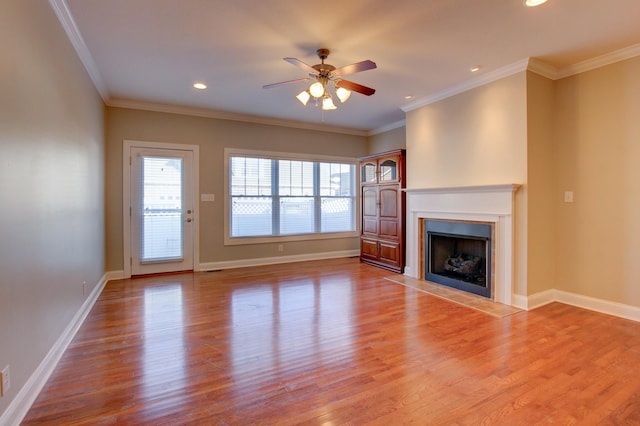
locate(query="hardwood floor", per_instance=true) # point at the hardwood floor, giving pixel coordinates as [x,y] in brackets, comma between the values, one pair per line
[333,342]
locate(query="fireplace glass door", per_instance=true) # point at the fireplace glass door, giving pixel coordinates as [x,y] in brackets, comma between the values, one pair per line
[458,254]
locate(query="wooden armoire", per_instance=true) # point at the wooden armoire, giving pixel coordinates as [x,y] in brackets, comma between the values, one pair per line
[382,239]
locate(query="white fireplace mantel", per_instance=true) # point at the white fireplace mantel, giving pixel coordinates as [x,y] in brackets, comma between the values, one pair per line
[486,203]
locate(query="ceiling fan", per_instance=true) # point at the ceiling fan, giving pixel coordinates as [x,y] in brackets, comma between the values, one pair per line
[326,75]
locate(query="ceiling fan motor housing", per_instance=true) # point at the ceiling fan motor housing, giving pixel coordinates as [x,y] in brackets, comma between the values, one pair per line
[323,53]
[323,69]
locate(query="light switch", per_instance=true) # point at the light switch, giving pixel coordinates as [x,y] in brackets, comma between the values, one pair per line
[568,196]
[207,197]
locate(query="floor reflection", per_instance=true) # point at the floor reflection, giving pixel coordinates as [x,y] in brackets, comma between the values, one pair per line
[164,342]
[278,326]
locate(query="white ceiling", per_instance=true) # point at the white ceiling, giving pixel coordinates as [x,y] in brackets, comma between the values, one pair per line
[150,52]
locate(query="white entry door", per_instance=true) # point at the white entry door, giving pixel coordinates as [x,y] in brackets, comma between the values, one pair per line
[161,210]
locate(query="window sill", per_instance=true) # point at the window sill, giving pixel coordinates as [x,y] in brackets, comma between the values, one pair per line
[229,241]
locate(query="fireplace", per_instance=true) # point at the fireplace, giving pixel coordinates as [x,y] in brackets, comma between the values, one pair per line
[491,205]
[458,254]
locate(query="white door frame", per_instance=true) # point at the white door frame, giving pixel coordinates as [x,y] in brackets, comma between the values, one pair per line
[126,196]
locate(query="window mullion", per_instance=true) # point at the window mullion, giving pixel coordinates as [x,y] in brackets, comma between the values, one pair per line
[275,197]
[316,197]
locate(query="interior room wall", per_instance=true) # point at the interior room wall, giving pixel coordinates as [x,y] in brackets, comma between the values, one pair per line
[388,141]
[597,135]
[51,187]
[212,136]
[543,198]
[478,137]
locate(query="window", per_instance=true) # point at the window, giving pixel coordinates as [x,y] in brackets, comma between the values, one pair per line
[278,195]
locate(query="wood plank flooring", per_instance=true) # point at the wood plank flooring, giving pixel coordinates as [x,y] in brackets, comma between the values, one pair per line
[330,343]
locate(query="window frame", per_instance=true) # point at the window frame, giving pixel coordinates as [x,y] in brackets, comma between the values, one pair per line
[271,155]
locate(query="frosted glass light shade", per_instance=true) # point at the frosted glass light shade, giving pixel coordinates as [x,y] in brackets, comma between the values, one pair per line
[316,89]
[327,103]
[343,94]
[303,97]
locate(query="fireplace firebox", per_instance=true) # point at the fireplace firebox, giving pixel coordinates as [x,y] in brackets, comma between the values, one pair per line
[458,255]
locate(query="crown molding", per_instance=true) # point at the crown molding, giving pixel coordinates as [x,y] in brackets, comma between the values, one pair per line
[542,68]
[479,81]
[387,127]
[600,61]
[224,115]
[531,64]
[66,20]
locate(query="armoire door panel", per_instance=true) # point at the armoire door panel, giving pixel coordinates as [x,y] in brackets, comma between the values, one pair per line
[370,226]
[389,202]
[370,201]
[368,248]
[389,252]
[389,229]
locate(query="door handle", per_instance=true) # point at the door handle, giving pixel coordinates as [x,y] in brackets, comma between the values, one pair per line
[188,219]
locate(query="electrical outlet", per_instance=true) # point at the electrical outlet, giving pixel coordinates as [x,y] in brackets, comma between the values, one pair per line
[5,381]
[280,247]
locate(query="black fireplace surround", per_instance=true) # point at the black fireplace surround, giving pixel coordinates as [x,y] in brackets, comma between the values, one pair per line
[458,255]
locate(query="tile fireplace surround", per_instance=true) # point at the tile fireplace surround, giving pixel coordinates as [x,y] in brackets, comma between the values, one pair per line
[492,204]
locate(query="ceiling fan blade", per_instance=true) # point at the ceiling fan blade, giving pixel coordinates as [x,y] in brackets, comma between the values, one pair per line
[282,83]
[353,68]
[355,87]
[298,63]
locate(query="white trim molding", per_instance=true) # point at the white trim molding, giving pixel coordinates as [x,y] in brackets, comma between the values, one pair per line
[27,395]
[232,116]
[387,127]
[603,306]
[478,81]
[69,24]
[531,64]
[243,263]
[600,61]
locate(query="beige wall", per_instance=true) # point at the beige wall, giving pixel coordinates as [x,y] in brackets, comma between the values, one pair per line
[212,136]
[478,137]
[577,134]
[597,138]
[542,197]
[388,141]
[51,186]
[475,138]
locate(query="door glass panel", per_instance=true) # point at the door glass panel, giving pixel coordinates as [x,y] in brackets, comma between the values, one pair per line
[369,172]
[161,231]
[388,170]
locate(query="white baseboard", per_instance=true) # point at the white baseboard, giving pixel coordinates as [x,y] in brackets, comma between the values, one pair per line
[540,299]
[519,301]
[27,395]
[586,302]
[229,264]
[599,305]
[114,275]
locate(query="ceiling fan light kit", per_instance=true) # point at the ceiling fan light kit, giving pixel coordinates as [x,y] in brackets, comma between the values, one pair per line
[325,76]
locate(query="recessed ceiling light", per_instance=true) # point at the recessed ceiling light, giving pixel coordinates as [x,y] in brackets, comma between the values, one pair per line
[200,86]
[474,69]
[533,3]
